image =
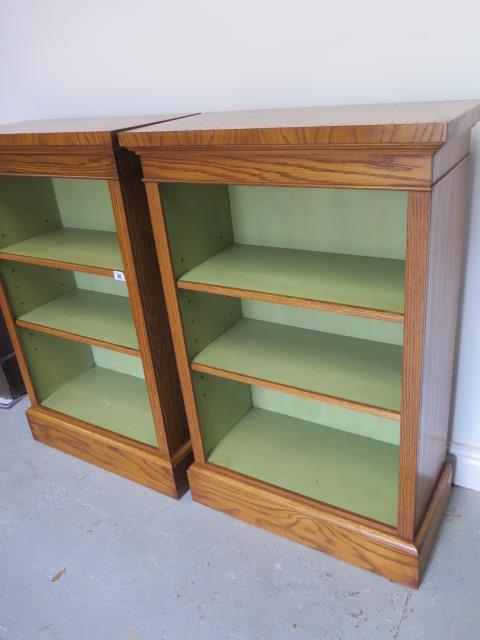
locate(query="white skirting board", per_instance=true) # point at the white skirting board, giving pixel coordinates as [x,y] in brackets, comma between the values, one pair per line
[467,465]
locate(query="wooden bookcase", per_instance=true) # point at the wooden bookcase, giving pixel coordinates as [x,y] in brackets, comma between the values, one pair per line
[311,263]
[80,291]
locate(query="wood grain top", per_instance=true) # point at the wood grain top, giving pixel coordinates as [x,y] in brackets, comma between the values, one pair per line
[409,124]
[73,131]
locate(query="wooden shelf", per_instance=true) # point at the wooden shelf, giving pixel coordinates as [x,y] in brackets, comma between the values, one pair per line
[348,471]
[114,401]
[350,372]
[95,318]
[90,251]
[370,287]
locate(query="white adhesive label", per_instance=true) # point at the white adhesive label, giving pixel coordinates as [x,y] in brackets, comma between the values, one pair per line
[120,276]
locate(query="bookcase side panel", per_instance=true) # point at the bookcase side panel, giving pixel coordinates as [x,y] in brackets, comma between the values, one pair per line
[443,287]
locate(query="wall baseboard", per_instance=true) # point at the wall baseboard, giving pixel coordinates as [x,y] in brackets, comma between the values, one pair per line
[467,465]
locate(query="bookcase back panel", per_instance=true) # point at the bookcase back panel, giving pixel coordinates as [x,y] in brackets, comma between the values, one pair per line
[204,219]
[84,204]
[119,362]
[335,323]
[320,452]
[317,219]
[100,284]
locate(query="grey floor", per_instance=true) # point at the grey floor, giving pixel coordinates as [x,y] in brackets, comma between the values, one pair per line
[86,555]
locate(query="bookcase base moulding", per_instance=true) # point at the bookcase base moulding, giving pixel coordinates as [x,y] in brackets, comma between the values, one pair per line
[320,527]
[78,274]
[311,264]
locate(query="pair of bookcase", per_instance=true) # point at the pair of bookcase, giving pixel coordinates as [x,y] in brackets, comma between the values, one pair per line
[310,264]
[82,297]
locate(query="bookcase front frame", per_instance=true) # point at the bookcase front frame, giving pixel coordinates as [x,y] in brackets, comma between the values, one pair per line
[163,466]
[435,182]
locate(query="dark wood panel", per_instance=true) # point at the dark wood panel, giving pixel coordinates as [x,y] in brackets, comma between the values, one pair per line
[386,169]
[148,306]
[168,278]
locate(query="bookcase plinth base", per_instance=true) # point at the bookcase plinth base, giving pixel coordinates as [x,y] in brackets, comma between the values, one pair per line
[308,522]
[135,463]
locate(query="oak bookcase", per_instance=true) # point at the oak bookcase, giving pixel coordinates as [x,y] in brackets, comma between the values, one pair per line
[82,300]
[311,263]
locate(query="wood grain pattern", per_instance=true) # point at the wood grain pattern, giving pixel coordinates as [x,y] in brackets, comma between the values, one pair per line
[92,132]
[309,523]
[450,154]
[67,163]
[148,306]
[444,270]
[332,307]
[432,520]
[310,167]
[77,338]
[410,124]
[128,460]
[304,393]
[418,222]
[56,264]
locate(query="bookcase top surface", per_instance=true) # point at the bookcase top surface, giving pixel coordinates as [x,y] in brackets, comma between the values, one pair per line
[400,124]
[74,131]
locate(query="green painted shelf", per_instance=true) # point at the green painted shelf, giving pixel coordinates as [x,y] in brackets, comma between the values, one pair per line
[351,472]
[100,316]
[108,399]
[361,371]
[358,281]
[87,248]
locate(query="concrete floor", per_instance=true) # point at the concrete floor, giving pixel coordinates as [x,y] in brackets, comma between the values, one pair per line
[86,555]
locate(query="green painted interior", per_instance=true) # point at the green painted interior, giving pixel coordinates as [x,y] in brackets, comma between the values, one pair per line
[84,204]
[102,284]
[205,317]
[198,222]
[28,207]
[119,362]
[375,283]
[330,415]
[52,361]
[76,246]
[353,326]
[87,313]
[293,225]
[352,221]
[348,471]
[102,387]
[220,403]
[28,286]
[64,219]
[331,454]
[359,370]
[107,399]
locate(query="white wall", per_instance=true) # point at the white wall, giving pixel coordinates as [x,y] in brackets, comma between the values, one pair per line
[61,58]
